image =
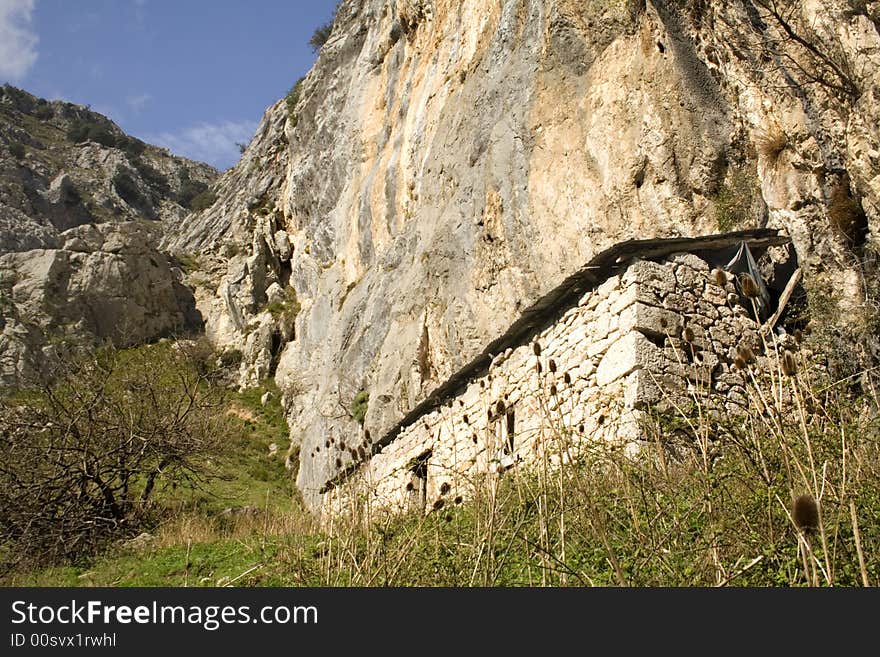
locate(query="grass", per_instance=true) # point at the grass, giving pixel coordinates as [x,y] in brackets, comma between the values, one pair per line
[734,203]
[189,262]
[194,517]
[771,143]
[250,476]
[710,500]
[288,307]
[359,406]
[196,564]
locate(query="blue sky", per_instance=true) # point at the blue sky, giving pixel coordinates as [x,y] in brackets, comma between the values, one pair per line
[192,75]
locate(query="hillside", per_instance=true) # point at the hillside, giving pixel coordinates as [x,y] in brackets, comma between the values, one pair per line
[83,207]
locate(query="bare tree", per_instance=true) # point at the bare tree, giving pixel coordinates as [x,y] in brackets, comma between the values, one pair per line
[792,40]
[84,453]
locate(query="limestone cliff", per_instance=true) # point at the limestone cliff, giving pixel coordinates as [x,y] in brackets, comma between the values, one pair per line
[444,163]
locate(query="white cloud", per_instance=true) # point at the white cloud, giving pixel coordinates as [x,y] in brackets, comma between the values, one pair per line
[138,102]
[214,143]
[18,42]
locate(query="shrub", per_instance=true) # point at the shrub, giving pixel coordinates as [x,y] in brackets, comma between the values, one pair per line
[17,150]
[153,177]
[845,213]
[127,189]
[189,188]
[44,110]
[22,100]
[231,358]
[81,131]
[133,147]
[203,201]
[320,36]
[738,200]
[359,406]
[85,451]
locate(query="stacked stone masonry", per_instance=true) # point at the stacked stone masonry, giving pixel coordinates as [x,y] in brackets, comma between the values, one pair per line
[650,337]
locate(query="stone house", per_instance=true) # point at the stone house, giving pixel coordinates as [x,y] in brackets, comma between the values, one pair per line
[642,324]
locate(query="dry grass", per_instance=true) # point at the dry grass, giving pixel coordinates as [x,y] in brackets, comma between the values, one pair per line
[771,142]
[710,501]
[846,216]
[201,527]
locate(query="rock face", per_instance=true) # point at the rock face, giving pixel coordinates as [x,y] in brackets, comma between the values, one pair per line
[83,208]
[445,163]
[104,282]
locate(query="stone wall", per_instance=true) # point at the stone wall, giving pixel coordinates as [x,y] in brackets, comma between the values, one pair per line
[658,334]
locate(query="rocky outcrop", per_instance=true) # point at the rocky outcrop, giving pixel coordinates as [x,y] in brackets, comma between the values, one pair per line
[103,282]
[62,166]
[444,163]
[83,208]
[243,256]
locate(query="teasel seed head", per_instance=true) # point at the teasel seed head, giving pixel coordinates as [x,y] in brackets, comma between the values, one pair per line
[552,365]
[789,364]
[745,352]
[805,513]
[536,347]
[688,334]
[720,278]
[749,286]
